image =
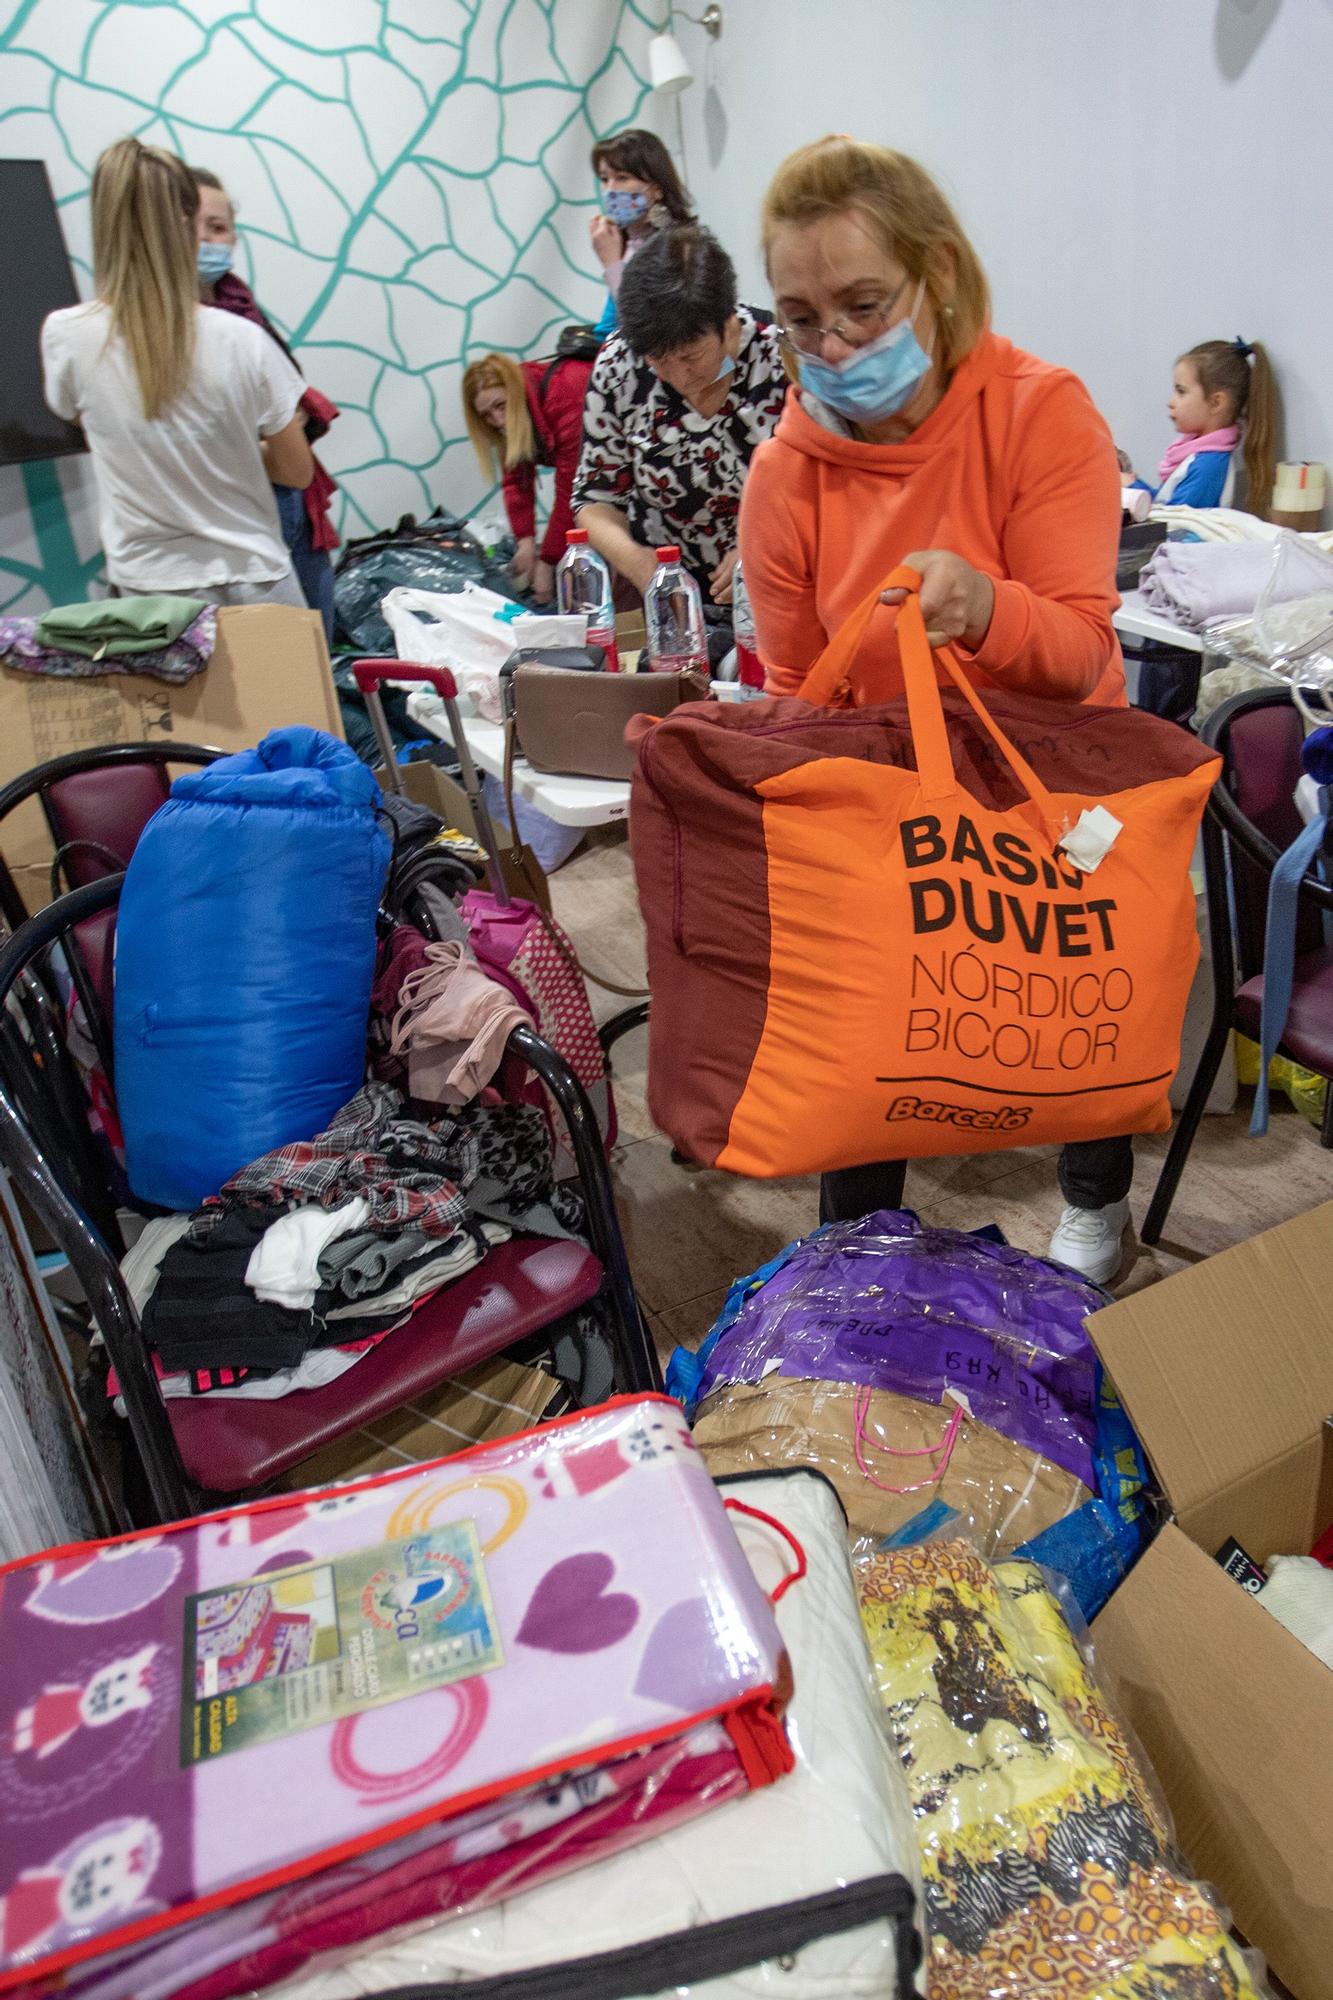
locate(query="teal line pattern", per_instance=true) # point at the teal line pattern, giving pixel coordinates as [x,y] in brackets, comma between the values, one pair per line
[413,185]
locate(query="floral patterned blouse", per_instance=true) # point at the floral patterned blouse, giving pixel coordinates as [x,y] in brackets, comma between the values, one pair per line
[676,475]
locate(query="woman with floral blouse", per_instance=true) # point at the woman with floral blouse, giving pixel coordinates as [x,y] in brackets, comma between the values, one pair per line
[678,401]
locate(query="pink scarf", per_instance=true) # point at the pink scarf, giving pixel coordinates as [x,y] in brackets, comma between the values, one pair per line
[1185,447]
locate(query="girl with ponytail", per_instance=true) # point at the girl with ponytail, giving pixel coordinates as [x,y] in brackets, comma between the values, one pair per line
[1222,398]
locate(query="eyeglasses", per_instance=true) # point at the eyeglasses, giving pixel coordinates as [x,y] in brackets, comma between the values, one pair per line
[853,328]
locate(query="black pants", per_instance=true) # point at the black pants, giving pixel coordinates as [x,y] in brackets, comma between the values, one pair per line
[1093,1173]
[1168,681]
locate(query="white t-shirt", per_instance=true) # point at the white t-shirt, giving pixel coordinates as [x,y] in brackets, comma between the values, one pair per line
[183,501]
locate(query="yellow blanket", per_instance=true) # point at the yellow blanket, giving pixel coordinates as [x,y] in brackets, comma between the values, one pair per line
[1046,1856]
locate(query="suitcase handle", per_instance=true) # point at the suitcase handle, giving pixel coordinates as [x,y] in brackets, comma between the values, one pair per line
[371,674]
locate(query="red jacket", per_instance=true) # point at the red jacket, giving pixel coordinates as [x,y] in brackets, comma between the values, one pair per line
[557,426]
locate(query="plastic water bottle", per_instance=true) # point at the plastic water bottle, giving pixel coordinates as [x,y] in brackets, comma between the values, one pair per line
[583,589]
[749,672]
[674,615]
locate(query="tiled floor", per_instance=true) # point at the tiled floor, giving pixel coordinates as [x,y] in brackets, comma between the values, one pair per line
[690,1232]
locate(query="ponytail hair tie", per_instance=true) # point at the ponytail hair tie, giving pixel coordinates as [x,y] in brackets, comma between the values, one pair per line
[1242,347]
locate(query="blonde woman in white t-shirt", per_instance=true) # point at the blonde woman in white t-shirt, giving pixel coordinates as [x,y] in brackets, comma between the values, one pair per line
[191,416]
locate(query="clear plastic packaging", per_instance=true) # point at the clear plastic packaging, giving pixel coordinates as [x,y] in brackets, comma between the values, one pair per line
[439,1683]
[1048,1857]
[494,1852]
[943,1381]
[841,1817]
[903,1467]
[1289,634]
[673,613]
[890,1303]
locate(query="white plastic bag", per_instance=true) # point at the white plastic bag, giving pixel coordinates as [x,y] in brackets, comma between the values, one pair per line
[470,631]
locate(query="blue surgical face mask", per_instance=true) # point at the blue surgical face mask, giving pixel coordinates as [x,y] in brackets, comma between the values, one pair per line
[625,206]
[728,368]
[875,380]
[212,261]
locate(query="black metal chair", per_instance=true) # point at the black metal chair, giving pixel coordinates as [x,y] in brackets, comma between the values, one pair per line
[96,803]
[1250,819]
[196,1450]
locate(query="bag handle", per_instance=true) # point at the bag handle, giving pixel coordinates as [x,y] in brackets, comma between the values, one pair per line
[861,1409]
[779,1528]
[930,732]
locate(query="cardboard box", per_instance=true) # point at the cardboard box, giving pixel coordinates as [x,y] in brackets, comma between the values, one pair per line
[427,785]
[1227,1373]
[631,638]
[270,667]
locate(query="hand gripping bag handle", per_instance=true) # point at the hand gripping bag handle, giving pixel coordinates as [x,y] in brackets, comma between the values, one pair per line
[930,733]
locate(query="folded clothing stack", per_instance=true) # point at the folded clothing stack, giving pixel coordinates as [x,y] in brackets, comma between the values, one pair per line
[1191,582]
[170,648]
[433,1687]
[329,1243]
[1048,1862]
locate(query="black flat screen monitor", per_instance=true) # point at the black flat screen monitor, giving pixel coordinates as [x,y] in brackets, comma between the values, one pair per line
[37,280]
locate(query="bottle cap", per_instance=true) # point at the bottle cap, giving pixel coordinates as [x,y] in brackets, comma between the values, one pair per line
[668,555]
[574,536]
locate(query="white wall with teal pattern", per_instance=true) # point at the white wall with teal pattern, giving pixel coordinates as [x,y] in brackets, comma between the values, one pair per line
[413,184]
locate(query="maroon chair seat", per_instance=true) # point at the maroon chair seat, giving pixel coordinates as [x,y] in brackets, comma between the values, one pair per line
[1308,1035]
[96,803]
[194,1449]
[1250,822]
[230,1444]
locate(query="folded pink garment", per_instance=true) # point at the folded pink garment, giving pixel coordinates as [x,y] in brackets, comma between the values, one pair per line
[208,1716]
[452,1024]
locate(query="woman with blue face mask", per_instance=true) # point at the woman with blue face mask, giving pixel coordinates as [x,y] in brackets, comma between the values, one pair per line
[915,434]
[677,402]
[641,194]
[307,529]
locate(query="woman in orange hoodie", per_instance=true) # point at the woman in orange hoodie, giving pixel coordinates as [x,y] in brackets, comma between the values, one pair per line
[914,434]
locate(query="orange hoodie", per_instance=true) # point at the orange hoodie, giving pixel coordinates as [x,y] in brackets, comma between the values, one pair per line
[1014,470]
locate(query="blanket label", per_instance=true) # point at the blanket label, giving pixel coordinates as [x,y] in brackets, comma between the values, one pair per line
[282,1652]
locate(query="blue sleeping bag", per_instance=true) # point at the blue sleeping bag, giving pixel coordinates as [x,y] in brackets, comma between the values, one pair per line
[245,952]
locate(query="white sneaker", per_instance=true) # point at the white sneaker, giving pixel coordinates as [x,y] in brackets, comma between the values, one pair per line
[1088,1240]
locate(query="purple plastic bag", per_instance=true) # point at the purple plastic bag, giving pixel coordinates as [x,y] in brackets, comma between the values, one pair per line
[891,1303]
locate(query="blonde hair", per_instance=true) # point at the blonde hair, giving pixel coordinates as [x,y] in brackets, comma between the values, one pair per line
[499,371]
[144,203]
[906,214]
[1242,371]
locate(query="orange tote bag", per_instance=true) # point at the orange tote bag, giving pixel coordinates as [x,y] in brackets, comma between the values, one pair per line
[853,959]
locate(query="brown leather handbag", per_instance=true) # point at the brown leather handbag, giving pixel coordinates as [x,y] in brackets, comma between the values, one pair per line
[574,723]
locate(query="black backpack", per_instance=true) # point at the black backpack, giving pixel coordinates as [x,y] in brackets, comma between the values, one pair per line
[576,343]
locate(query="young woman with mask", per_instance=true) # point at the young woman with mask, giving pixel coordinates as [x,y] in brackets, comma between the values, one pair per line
[303,512]
[189,415]
[641,194]
[677,403]
[522,414]
[914,434]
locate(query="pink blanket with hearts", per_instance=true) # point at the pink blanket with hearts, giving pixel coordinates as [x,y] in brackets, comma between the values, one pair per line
[312,1717]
